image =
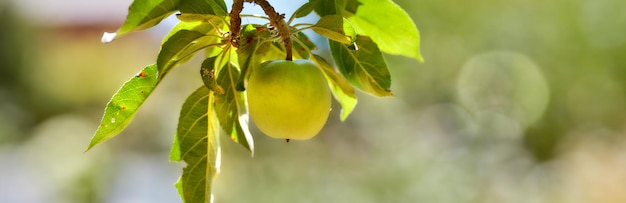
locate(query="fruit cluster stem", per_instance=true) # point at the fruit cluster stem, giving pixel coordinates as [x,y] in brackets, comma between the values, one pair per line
[278,21]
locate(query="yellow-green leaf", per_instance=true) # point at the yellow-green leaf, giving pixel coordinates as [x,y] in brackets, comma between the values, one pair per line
[364,67]
[144,14]
[217,7]
[389,26]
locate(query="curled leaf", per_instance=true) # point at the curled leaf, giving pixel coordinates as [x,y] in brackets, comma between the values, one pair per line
[365,67]
[207,72]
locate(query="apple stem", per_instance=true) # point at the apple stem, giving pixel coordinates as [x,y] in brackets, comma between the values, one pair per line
[286,140]
[278,21]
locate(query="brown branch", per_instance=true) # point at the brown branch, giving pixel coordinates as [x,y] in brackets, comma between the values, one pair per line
[235,22]
[278,21]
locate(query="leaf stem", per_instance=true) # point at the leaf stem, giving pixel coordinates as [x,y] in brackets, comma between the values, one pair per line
[222,59]
[300,30]
[303,24]
[254,16]
[278,21]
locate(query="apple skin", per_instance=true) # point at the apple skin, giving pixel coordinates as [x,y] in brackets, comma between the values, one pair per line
[288,99]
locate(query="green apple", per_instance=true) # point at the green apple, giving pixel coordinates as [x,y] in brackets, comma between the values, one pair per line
[288,99]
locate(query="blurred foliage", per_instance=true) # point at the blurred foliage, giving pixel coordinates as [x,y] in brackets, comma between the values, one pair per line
[423,145]
[12,87]
[574,43]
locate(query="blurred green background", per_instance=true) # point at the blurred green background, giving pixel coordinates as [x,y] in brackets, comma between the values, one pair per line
[517,101]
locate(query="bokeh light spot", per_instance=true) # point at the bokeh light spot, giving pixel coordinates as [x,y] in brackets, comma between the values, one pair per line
[505,83]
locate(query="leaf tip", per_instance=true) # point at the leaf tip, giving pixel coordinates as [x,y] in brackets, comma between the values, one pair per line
[419,57]
[91,145]
[343,116]
[388,93]
[108,37]
[346,109]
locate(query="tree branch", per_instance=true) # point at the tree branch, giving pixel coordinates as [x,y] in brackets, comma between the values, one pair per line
[278,21]
[235,22]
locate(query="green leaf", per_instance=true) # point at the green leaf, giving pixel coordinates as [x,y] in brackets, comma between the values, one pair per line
[250,37]
[124,104]
[217,7]
[364,67]
[302,45]
[197,144]
[230,108]
[143,14]
[336,28]
[276,51]
[328,7]
[389,26]
[351,6]
[341,89]
[304,10]
[251,49]
[181,46]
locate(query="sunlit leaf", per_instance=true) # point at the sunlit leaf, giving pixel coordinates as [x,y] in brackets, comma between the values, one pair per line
[364,67]
[194,17]
[336,28]
[182,45]
[124,104]
[389,26]
[341,89]
[231,110]
[328,7]
[203,23]
[212,25]
[197,144]
[143,14]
